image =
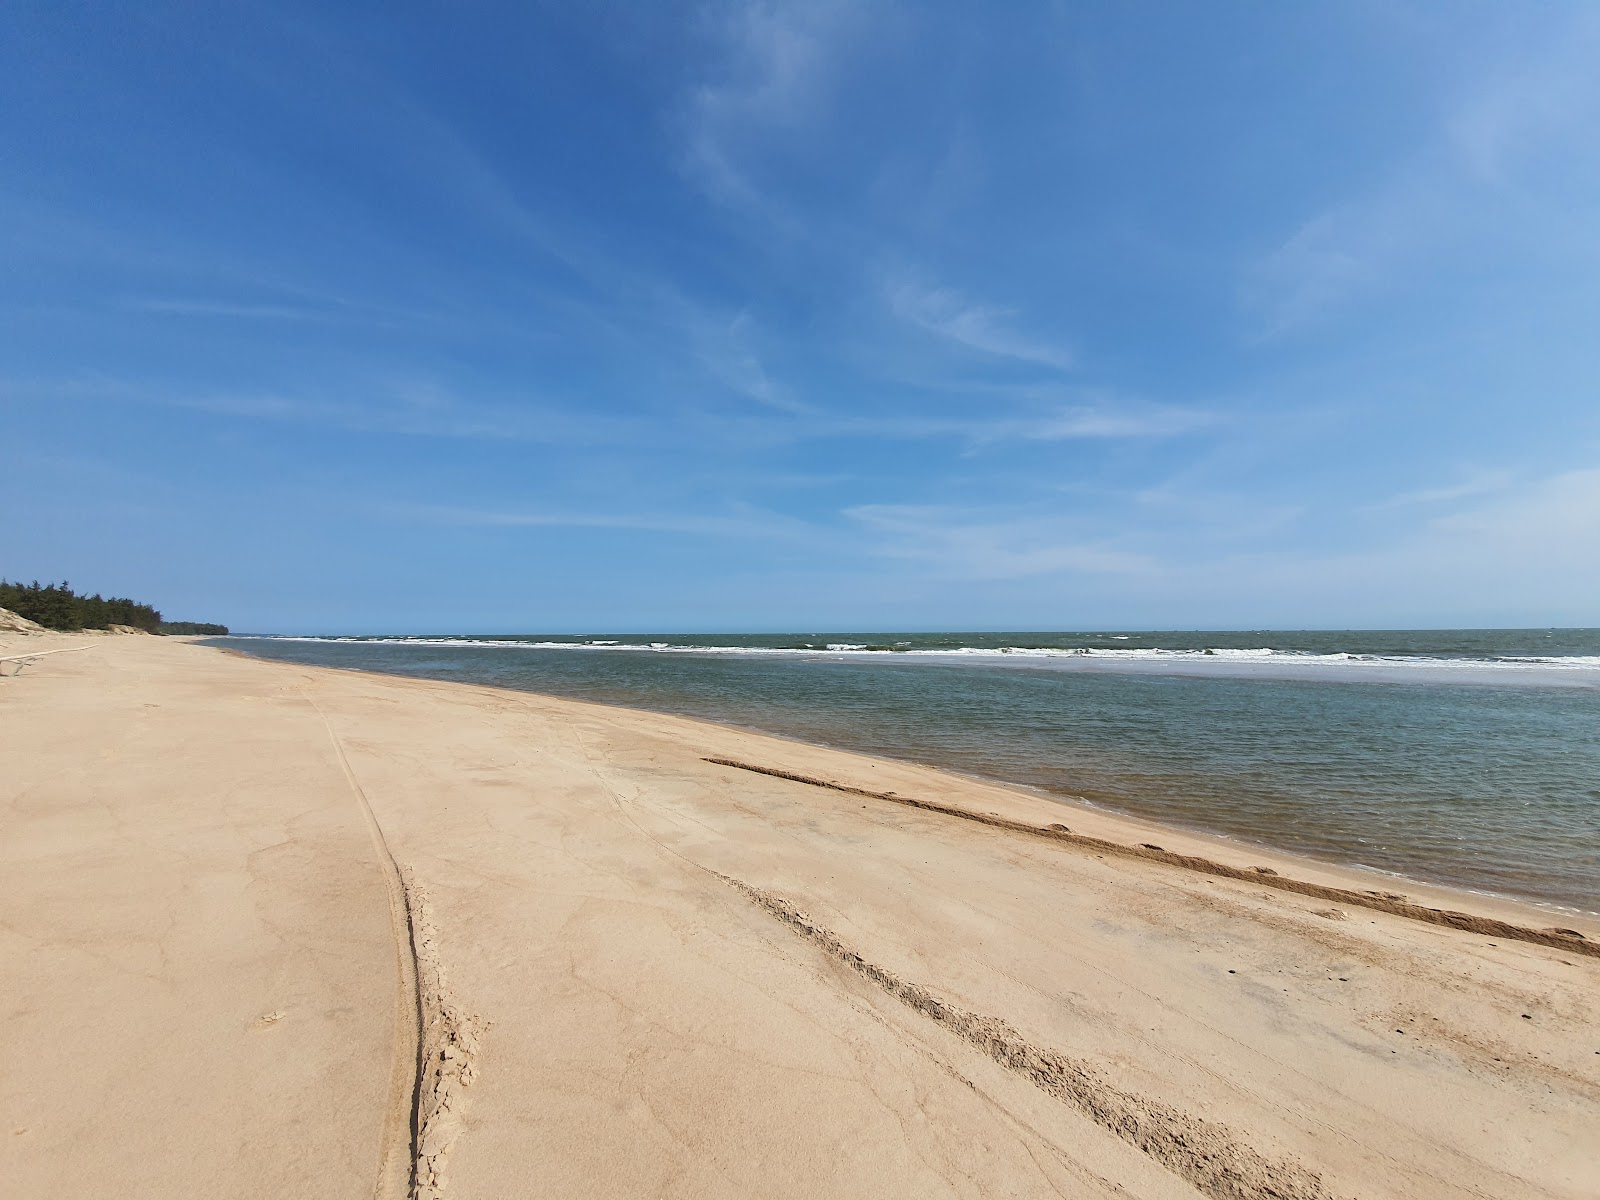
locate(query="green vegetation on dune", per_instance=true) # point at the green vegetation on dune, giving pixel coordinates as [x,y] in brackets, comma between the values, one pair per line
[57,606]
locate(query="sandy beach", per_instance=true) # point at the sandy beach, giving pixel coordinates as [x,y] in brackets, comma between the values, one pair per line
[273,930]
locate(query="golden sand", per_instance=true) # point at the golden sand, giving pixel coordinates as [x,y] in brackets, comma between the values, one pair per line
[273,930]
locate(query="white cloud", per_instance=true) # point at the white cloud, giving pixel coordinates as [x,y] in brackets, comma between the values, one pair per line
[1206,519]
[948,314]
[1548,526]
[1530,555]
[1487,482]
[967,544]
[726,349]
[1107,423]
[411,407]
[1511,166]
[1553,96]
[776,69]
[1333,256]
[1068,423]
[1527,554]
[745,522]
[168,307]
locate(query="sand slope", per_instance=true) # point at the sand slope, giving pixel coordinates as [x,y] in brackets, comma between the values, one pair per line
[239,893]
[11,623]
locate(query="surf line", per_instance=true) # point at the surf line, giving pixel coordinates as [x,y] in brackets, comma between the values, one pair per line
[1561,939]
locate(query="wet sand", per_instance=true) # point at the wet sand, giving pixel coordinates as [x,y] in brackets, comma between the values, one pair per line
[240,895]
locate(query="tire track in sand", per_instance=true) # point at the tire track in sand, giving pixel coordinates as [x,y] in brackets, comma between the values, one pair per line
[435,1043]
[1205,1153]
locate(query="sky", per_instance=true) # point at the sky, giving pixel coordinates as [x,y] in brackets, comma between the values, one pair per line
[843,315]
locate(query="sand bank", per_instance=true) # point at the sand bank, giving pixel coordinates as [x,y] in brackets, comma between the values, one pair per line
[239,894]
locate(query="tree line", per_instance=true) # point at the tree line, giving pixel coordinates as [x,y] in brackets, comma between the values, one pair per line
[57,606]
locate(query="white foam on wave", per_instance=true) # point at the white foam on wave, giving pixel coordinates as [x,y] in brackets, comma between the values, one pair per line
[1217,655]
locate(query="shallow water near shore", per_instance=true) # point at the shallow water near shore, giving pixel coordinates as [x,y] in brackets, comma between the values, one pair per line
[1464,757]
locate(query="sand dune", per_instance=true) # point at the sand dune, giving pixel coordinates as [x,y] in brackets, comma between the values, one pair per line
[11,623]
[273,930]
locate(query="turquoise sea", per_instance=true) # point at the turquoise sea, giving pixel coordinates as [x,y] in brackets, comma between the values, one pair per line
[1464,757]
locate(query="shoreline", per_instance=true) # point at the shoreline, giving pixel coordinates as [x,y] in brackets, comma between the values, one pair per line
[1199,842]
[1394,903]
[317,931]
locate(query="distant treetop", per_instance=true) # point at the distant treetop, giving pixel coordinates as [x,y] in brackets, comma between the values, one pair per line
[57,606]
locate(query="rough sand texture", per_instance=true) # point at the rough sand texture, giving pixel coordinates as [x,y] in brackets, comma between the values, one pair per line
[273,930]
[10,622]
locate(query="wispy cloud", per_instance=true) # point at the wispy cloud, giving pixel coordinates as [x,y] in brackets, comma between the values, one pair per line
[1482,484]
[1056,425]
[773,76]
[165,307]
[426,407]
[1513,116]
[726,349]
[951,316]
[1552,522]
[404,407]
[744,522]
[1473,187]
[1529,554]
[1105,423]
[970,544]
[1333,256]
[1202,521]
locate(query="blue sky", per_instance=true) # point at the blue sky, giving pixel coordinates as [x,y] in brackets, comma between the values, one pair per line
[804,316]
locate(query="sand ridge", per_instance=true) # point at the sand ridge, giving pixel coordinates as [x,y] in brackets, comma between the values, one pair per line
[398,1176]
[446,1055]
[1208,1155]
[1571,940]
[436,1043]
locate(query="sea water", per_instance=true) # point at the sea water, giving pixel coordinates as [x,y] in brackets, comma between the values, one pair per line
[1463,757]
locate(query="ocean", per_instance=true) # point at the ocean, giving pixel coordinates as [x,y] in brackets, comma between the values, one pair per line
[1466,757]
